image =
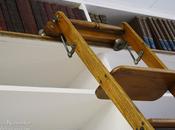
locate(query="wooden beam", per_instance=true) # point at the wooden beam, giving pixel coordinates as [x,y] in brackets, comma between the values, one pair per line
[162,123]
[95,66]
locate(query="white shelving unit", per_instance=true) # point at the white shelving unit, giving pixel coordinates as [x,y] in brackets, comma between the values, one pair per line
[42,89]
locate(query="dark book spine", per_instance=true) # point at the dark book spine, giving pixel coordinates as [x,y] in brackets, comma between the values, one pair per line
[171,27]
[43,13]
[63,9]
[76,13]
[28,20]
[166,37]
[103,18]
[82,15]
[141,30]
[2,21]
[165,43]
[92,16]
[54,8]
[37,14]
[70,13]
[170,34]
[150,37]
[48,10]
[6,16]
[156,35]
[14,15]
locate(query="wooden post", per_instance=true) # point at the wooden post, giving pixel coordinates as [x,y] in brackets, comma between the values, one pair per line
[108,83]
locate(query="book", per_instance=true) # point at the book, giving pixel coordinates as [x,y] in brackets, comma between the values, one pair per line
[27,20]
[159,42]
[2,20]
[171,27]
[43,13]
[82,15]
[164,41]
[103,19]
[6,16]
[92,16]
[37,14]
[70,13]
[54,8]
[170,34]
[140,29]
[164,33]
[97,18]
[148,31]
[79,14]
[48,9]
[63,9]
[14,16]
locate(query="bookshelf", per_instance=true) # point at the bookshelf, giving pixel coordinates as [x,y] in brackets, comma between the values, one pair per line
[41,85]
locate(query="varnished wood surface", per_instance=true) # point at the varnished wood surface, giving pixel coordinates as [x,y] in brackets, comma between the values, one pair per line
[105,79]
[141,83]
[162,123]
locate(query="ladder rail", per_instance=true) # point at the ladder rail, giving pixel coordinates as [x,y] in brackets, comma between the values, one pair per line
[99,71]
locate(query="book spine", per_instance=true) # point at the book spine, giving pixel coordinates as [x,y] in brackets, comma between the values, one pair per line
[54,8]
[103,19]
[70,13]
[28,20]
[156,36]
[170,34]
[171,26]
[76,13]
[82,15]
[48,10]
[142,31]
[92,16]
[165,44]
[63,9]
[150,37]
[97,18]
[37,14]
[167,38]
[14,15]
[43,13]
[6,16]
[2,21]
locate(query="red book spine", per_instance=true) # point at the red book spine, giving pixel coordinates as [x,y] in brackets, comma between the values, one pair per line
[2,20]
[28,20]
[48,10]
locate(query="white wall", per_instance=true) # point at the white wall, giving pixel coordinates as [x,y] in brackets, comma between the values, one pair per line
[108,118]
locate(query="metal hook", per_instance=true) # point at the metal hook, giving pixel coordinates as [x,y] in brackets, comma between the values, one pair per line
[139,53]
[69,52]
[121,44]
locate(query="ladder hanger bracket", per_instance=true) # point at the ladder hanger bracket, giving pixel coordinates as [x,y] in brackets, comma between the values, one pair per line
[122,44]
[71,51]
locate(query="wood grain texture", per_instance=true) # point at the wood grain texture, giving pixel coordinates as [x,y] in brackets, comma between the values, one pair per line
[105,79]
[141,83]
[162,123]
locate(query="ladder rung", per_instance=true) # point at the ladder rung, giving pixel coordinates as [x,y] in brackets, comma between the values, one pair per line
[141,83]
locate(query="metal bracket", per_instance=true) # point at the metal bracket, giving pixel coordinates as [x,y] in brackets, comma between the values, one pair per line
[121,44]
[66,46]
[139,53]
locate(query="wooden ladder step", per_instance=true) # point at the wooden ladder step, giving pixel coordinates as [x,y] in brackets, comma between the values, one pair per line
[141,83]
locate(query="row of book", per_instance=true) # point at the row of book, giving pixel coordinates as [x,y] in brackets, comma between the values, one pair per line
[157,33]
[29,16]
[98,18]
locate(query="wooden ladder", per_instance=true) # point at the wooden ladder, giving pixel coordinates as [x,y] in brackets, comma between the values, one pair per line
[109,86]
